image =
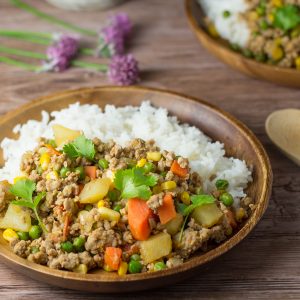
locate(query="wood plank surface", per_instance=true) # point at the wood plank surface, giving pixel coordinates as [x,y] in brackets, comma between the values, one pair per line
[264,266]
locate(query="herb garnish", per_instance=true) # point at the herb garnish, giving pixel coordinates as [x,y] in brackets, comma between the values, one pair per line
[134,183]
[80,147]
[24,189]
[287,17]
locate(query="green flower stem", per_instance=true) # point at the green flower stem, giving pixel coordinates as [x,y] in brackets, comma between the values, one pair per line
[19,64]
[42,225]
[24,53]
[91,66]
[24,6]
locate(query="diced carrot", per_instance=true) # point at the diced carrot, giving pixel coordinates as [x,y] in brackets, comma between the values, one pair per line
[176,169]
[138,218]
[52,150]
[90,171]
[112,257]
[167,211]
[66,226]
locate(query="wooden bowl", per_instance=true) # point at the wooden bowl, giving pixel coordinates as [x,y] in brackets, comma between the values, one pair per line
[239,142]
[220,48]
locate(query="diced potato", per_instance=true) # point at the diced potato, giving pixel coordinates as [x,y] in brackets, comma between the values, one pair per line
[63,135]
[207,215]
[95,190]
[174,225]
[156,247]
[17,218]
[109,214]
[86,221]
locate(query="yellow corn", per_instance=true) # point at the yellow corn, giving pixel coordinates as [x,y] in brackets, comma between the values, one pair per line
[297,63]
[168,185]
[277,53]
[278,41]
[154,156]
[45,161]
[185,198]
[141,162]
[253,16]
[240,214]
[9,234]
[82,269]
[156,189]
[212,30]
[108,214]
[100,203]
[52,175]
[107,268]
[122,268]
[19,178]
[277,3]
[270,18]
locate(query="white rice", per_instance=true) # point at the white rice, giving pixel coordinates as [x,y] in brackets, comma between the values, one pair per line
[233,28]
[125,123]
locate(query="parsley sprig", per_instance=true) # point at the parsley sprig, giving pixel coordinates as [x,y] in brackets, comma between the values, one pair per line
[134,183]
[287,17]
[23,189]
[80,147]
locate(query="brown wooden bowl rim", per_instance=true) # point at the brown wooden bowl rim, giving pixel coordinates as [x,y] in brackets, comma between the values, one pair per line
[201,32]
[193,262]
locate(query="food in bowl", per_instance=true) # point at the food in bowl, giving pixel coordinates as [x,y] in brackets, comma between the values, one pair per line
[127,190]
[267,31]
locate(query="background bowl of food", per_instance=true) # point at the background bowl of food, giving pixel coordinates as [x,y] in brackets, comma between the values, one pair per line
[258,38]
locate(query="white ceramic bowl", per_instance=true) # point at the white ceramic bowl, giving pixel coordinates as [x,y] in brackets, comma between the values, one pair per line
[84,4]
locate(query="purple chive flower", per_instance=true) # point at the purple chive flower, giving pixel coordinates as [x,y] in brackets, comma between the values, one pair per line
[113,36]
[123,70]
[61,53]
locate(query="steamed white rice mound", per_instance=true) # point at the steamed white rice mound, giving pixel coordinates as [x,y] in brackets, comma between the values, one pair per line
[125,123]
[233,28]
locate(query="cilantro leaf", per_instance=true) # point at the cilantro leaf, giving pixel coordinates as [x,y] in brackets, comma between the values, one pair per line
[197,201]
[23,189]
[23,203]
[134,183]
[81,146]
[38,198]
[287,17]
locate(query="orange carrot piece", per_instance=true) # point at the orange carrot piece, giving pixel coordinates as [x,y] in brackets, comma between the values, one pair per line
[90,171]
[167,211]
[176,169]
[52,150]
[66,226]
[138,218]
[112,257]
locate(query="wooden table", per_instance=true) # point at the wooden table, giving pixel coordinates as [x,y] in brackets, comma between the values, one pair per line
[264,266]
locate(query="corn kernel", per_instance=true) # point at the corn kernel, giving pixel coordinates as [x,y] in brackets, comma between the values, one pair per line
[240,214]
[212,30]
[154,156]
[122,268]
[278,41]
[101,203]
[277,3]
[19,178]
[82,269]
[107,268]
[270,18]
[297,63]
[52,175]
[168,185]
[9,234]
[253,16]
[277,53]
[141,162]
[185,198]
[156,189]
[45,161]
[108,214]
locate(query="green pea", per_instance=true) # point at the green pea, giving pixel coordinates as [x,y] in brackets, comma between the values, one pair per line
[78,244]
[261,10]
[64,171]
[134,267]
[159,266]
[148,167]
[39,170]
[52,143]
[163,174]
[135,257]
[221,184]
[23,235]
[103,163]
[35,232]
[226,14]
[227,199]
[117,207]
[113,195]
[80,172]
[67,246]
[247,53]
[34,249]
[89,207]
[264,25]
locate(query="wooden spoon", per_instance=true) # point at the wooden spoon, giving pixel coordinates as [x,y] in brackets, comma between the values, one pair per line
[283,128]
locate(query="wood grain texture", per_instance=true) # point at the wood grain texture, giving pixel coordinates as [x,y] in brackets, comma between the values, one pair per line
[264,266]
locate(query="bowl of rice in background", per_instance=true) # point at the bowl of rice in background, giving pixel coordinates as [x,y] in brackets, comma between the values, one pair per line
[236,31]
[213,140]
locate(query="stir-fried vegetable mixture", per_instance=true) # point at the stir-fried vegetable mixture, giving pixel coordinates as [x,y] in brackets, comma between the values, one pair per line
[83,204]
